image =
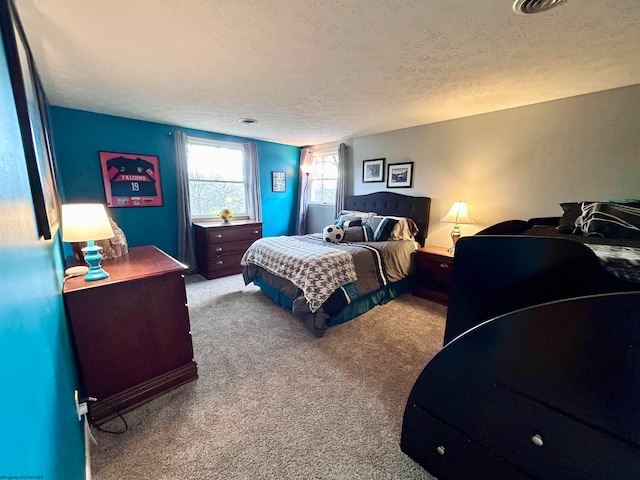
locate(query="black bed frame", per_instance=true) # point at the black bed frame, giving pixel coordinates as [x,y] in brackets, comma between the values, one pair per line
[549,392]
[390,203]
[494,275]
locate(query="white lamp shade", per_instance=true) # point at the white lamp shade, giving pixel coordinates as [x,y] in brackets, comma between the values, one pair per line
[306,168]
[458,214]
[82,222]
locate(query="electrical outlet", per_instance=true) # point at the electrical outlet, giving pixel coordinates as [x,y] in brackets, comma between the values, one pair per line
[81,408]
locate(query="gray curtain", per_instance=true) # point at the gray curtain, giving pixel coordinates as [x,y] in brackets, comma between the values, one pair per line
[342,178]
[252,175]
[306,160]
[186,250]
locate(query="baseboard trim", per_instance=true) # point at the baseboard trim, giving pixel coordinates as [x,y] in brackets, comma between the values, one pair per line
[105,409]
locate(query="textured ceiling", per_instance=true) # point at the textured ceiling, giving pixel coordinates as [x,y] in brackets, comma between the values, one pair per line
[319,71]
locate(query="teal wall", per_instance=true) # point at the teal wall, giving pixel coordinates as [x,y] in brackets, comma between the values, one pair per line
[39,431]
[78,136]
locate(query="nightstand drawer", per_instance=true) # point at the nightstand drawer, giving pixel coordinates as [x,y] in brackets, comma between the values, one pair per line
[439,269]
[434,274]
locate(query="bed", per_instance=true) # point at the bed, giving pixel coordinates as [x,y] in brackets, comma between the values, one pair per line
[539,376]
[325,284]
[549,392]
[518,264]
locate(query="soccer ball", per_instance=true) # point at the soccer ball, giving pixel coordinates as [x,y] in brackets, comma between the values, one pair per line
[333,234]
[226,214]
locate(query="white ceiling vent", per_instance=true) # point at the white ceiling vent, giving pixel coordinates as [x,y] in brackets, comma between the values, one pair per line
[526,7]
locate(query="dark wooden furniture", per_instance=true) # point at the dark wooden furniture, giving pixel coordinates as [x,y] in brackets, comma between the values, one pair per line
[434,267]
[220,246]
[548,392]
[131,331]
[494,275]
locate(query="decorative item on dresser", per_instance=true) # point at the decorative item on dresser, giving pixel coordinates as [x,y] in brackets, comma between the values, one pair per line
[434,267]
[131,331]
[220,246]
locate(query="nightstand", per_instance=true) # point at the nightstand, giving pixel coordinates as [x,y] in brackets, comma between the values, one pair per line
[434,266]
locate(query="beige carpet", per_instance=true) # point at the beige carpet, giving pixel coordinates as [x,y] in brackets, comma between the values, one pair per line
[273,401]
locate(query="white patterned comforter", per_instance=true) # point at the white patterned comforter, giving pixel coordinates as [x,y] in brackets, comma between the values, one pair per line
[316,268]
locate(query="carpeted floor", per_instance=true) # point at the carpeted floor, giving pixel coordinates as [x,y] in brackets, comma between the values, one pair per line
[273,401]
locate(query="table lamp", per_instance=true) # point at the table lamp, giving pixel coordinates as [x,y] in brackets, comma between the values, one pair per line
[306,169]
[86,222]
[458,214]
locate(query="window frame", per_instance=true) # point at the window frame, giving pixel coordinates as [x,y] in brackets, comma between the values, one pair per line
[323,153]
[220,144]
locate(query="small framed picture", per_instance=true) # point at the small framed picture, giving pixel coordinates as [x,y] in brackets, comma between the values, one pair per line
[400,175]
[373,170]
[278,182]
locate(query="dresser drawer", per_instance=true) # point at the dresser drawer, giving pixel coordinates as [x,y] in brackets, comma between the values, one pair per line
[448,454]
[548,444]
[217,264]
[231,248]
[233,234]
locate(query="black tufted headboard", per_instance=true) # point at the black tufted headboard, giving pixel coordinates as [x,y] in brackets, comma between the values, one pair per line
[390,203]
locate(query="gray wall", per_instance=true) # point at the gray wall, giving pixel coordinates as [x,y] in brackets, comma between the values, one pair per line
[516,163]
[319,216]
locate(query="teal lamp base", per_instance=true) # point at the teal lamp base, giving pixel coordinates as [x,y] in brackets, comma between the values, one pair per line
[93,257]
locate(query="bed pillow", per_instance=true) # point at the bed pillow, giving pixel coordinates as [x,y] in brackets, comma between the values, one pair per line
[362,233]
[381,226]
[571,212]
[351,216]
[610,220]
[405,229]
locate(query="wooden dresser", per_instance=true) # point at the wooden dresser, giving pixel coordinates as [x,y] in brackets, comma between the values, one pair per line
[131,331]
[220,246]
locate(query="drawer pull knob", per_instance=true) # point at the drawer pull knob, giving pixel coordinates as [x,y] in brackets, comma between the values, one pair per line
[537,440]
[218,249]
[444,265]
[440,450]
[256,232]
[219,262]
[218,235]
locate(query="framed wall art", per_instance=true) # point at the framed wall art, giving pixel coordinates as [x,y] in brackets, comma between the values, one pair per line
[373,170]
[131,180]
[278,182]
[400,175]
[31,107]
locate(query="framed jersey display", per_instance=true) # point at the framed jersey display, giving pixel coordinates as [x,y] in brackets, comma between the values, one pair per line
[131,180]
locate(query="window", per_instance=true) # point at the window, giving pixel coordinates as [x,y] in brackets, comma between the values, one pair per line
[323,181]
[216,178]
